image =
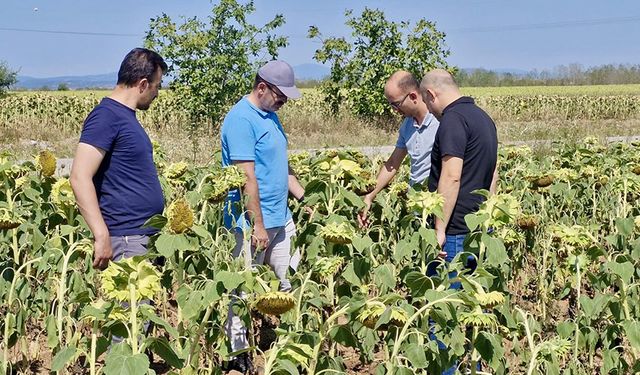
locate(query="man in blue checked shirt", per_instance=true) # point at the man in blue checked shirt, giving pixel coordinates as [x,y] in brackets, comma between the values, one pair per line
[416,136]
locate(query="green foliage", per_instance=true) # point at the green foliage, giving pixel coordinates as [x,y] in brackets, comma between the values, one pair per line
[213,62]
[379,47]
[8,77]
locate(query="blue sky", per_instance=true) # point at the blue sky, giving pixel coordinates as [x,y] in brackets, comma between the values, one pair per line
[492,34]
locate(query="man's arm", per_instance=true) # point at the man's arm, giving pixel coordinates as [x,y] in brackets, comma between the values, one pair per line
[259,238]
[85,165]
[295,188]
[386,174]
[448,187]
[494,181]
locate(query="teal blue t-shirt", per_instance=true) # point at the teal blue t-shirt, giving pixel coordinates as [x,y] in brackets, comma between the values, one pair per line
[251,134]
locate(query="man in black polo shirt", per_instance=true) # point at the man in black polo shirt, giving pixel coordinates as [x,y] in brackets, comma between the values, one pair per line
[463,159]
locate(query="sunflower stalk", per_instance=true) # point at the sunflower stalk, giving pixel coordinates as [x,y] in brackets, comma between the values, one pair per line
[404,333]
[5,338]
[133,318]
[324,330]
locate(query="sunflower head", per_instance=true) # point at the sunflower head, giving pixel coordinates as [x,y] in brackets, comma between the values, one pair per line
[62,195]
[180,216]
[326,267]
[136,271]
[176,170]
[425,201]
[275,303]
[8,219]
[338,233]
[373,310]
[490,299]
[479,319]
[46,163]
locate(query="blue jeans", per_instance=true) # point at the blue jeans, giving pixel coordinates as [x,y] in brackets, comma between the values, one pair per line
[454,245]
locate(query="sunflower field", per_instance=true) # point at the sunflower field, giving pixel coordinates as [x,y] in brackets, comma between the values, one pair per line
[556,288]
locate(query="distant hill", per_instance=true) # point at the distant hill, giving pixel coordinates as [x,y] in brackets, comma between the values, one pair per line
[73,82]
[303,72]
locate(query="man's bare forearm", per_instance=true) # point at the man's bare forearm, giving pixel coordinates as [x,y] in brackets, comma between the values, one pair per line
[388,171]
[449,188]
[253,201]
[494,181]
[295,188]
[87,201]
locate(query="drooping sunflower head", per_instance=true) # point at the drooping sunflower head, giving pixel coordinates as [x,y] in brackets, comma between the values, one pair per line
[500,209]
[275,303]
[338,233]
[138,272]
[490,299]
[527,222]
[180,216]
[8,219]
[46,163]
[234,177]
[399,188]
[373,310]
[478,318]
[176,170]
[326,267]
[425,201]
[62,195]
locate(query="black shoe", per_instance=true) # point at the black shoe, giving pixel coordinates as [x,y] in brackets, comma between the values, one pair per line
[241,362]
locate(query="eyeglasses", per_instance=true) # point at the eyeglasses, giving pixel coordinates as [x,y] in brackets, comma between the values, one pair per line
[279,95]
[397,104]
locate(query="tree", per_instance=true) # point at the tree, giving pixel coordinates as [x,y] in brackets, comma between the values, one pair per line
[62,86]
[359,69]
[213,62]
[8,78]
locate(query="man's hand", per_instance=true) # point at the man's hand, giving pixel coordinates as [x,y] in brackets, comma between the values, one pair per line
[442,238]
[363,220]
[259,238]
[102,253]
[310,211]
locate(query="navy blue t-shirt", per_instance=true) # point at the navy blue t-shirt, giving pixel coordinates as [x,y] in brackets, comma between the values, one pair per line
[126,182]
[466,132]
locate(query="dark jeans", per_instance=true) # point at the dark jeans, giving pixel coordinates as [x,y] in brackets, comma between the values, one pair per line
[454,245]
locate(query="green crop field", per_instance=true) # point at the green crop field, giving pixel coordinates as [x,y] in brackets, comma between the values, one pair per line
[556,288]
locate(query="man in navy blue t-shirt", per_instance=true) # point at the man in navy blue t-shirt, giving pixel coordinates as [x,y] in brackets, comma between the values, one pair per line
[113,177]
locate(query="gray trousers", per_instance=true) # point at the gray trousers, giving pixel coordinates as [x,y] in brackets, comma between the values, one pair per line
[127,247]
[278,256]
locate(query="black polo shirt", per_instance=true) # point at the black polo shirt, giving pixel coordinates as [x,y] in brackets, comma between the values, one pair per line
[466,132]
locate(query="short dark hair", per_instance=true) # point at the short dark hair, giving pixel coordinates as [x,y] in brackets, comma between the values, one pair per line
[140,63]
[408,83]
[258,80]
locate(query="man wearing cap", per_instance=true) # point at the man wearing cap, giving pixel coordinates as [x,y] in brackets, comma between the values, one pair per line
[253,139]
